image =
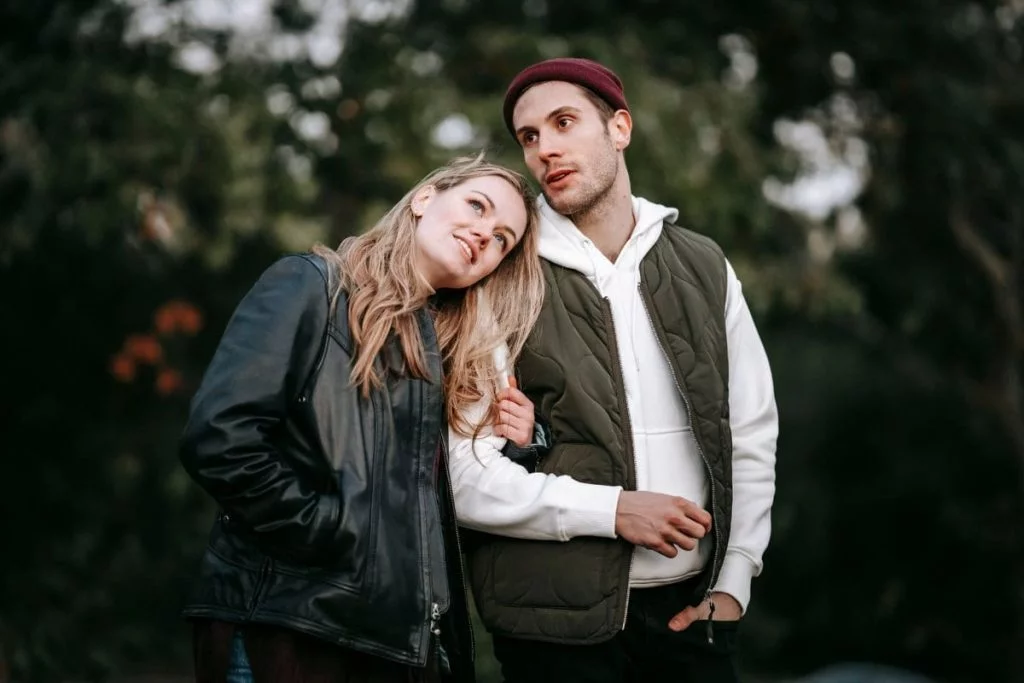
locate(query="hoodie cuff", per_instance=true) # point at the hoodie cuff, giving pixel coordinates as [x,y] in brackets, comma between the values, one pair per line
[589,510]
[735,577]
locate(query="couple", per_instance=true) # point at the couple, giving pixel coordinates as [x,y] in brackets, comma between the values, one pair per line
[359,410]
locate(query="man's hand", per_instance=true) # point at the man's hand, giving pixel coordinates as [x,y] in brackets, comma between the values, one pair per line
[515,415]
[660,522]
[726,609]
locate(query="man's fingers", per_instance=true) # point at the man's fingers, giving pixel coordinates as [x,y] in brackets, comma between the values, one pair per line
[688,527]
[701,516]
[697,514]
[677,538]
[666,549]
[682,621]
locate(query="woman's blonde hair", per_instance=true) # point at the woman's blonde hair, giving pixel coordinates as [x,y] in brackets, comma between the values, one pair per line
[385,290]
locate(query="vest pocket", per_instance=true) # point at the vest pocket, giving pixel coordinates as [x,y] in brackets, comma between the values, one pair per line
[577,574]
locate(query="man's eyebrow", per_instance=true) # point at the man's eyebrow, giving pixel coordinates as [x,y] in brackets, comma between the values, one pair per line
[567,109]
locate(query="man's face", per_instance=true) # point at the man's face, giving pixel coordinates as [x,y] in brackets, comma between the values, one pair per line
[566,145]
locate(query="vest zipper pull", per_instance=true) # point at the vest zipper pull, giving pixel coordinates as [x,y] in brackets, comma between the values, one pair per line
[711,616]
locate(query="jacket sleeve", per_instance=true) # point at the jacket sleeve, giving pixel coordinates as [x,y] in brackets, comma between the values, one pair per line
[754,420]
[268,349]
[499,496]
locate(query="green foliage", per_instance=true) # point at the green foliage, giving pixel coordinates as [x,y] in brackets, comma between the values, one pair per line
[140,199]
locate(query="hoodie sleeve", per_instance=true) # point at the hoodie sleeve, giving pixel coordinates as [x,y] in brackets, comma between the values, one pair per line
[498,496]
[755,427]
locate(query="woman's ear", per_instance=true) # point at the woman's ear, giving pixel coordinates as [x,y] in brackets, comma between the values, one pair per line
[421,199]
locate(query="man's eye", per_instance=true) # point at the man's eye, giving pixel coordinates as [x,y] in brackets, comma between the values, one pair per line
[564,122]
[529,138]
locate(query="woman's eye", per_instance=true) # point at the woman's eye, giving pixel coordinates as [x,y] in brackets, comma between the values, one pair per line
[564,122]
[477,206]
[501,239]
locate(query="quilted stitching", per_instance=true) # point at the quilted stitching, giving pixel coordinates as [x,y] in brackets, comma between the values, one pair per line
[569,369]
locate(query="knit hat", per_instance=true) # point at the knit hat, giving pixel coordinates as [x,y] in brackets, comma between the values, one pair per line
[595,77]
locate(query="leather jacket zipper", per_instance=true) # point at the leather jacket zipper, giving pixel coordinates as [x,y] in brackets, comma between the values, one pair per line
[435,619]
[707,463]
[458,542]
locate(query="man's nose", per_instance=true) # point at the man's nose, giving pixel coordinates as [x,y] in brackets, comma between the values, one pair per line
[548,147]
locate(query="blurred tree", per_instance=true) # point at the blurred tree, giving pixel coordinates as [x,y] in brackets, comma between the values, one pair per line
[156,155]
[138,201]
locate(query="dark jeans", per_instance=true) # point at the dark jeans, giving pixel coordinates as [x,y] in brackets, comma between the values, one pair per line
[645,652]
[266,654]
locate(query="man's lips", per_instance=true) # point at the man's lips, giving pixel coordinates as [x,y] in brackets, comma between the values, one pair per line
[557,176]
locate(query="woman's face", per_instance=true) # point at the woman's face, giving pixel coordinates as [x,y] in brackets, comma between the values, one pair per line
[464,232]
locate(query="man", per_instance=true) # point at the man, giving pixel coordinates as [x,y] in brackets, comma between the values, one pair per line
[628,554]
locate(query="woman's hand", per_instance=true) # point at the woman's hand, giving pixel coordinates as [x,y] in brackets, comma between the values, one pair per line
[515,415]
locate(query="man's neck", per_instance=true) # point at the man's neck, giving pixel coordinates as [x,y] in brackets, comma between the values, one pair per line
[610,222]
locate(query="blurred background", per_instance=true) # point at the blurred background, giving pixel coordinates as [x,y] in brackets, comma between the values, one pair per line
[861,163]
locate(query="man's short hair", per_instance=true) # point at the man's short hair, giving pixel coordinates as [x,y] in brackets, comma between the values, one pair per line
[604,110]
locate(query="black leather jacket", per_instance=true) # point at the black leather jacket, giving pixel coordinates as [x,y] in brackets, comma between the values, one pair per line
[336,507]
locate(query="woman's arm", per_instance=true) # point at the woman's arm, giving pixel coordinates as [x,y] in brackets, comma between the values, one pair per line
[497,495]
[266,353]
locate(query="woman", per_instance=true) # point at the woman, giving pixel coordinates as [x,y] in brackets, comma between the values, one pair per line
[319,428]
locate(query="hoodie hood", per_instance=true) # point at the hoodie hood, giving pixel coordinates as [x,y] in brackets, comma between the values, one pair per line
[562,243]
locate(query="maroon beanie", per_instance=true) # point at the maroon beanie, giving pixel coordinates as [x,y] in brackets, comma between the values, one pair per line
[599,79]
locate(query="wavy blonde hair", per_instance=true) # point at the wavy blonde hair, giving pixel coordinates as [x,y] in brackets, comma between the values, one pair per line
[385,290]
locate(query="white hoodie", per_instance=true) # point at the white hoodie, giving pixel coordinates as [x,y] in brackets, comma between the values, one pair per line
[494,494]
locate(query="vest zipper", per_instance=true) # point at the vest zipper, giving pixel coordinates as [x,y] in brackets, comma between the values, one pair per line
[458,541]
[628,436]
[707,464]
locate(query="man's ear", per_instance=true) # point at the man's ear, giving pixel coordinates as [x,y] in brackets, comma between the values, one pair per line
[620,128]
[421,199]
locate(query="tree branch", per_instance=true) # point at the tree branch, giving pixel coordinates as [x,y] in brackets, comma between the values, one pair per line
[1005,395]
[993,265]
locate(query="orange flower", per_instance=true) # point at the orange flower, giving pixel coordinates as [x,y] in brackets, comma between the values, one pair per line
[165,320]
[122,368]
[144,348]
[190,320]
[168,381]
[175,316]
